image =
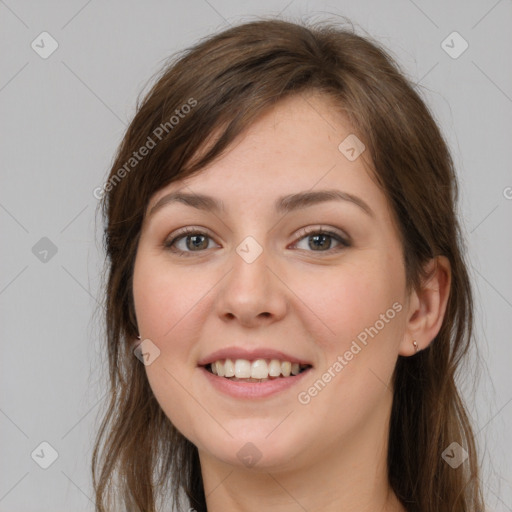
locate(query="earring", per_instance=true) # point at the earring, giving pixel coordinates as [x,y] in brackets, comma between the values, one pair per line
[138,336]
[415,343]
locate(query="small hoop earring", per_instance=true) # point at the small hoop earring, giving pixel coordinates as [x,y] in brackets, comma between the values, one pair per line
[138,337]
[416,347]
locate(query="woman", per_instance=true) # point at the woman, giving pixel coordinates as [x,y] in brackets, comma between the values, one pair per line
[285,259]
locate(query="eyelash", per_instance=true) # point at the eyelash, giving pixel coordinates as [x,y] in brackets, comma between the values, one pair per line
[303,233]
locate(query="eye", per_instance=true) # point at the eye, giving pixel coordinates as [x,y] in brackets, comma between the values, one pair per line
[319,239]
[194,239]
[197,241]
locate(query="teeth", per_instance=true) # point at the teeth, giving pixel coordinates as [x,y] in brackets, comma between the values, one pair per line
[274,368]
[242,368]
[229,368]
[259,370]
[220,368]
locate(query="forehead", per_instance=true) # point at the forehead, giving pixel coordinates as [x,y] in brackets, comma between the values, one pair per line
[294,147]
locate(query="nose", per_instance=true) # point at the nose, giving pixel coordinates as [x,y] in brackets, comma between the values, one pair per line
[252,293]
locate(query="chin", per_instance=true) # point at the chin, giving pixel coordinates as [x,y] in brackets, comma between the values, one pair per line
[254,446]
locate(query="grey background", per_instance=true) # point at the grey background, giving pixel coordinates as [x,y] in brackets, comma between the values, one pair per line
[62,118]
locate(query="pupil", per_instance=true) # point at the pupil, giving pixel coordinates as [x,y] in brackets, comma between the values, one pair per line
[316,237]
[195,243]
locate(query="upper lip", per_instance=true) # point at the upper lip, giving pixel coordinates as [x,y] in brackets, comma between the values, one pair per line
[251,355]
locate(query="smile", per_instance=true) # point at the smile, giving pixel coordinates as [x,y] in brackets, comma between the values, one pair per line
[255,373]
[259,370]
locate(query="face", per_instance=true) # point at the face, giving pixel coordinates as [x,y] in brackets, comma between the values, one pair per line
[264,281]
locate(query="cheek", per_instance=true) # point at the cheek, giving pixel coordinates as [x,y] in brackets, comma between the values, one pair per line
[352,299]
[161,297]
[162,305]
[363,308]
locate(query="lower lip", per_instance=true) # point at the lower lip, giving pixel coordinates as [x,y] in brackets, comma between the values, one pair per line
[240,389]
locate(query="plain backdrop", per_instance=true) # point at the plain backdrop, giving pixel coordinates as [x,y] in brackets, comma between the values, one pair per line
[62,117]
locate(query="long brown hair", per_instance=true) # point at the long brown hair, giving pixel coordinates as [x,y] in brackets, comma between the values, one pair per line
[227,80]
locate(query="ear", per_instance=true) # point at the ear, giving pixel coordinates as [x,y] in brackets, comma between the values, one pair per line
[427,307]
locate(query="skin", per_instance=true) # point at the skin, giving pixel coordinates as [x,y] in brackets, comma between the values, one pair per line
[328,454]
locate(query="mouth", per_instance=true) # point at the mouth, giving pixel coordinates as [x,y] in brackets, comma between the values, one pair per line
[255,371]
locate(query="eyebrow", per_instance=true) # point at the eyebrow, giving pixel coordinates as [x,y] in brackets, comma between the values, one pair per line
[283,204]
